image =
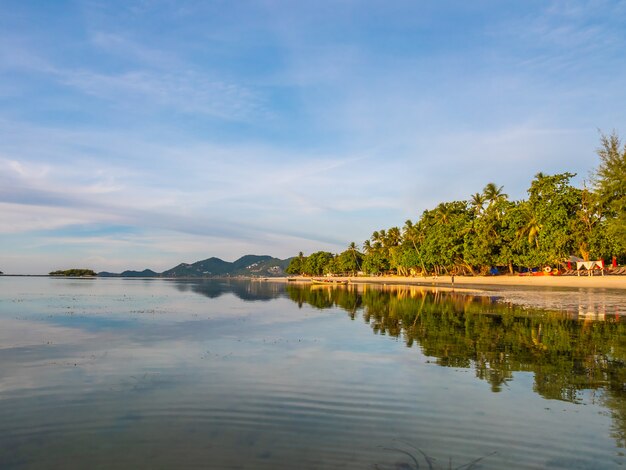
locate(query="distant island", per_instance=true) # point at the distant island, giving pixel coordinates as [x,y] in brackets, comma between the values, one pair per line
[74,273]
[246,266]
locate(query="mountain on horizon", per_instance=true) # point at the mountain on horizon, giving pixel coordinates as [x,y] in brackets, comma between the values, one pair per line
[248,265]
[130,273]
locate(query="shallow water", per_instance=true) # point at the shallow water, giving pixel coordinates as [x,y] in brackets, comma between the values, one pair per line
[114,373]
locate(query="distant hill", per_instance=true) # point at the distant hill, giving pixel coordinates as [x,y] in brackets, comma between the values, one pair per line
[144,273]
[249,265]
[260,265]
[205,268]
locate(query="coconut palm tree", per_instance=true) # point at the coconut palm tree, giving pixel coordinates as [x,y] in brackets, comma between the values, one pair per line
[411,233]
[493,194]
[477,202]
[531,227]
[393,238]
[442,213]
[354,249]
[383,236]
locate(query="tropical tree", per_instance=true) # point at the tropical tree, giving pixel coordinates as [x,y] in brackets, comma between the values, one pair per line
[376,259]
[411,234]
[589,228]
[317,263]
[492,193]
[358,257]
[444,229]
[531,227]
[477,202]
[349,262]
[609,181]
[552,204]
[296,265]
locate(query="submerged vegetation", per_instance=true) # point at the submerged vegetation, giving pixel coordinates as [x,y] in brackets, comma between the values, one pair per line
[489,231]
[415,455]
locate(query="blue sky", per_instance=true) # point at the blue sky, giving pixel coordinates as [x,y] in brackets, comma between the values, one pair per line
[140,134]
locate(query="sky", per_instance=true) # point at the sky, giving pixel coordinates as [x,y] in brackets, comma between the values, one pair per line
[141,134]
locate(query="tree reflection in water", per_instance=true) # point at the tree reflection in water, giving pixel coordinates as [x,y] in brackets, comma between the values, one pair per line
[566,355]
[244,289]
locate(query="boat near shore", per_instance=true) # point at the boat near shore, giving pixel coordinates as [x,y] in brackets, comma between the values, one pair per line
[329,282]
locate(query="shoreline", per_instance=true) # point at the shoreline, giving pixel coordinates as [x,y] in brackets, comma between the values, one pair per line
[584,281]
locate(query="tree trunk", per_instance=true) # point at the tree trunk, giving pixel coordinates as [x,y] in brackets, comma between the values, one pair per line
[584,251]
[470,269]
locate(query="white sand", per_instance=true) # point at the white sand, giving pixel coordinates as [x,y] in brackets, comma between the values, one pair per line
[596,281]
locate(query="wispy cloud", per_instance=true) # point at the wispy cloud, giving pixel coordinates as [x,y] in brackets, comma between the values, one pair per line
[183,91]
[119,44]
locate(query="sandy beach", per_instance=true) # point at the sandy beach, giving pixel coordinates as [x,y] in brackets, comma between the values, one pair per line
[597,281]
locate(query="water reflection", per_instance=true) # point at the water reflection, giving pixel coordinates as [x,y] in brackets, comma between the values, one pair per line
[243,289]
[582,303]
[464,330]
[567,355]
[228,374]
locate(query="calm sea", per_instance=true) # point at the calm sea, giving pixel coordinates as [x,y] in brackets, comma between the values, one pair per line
[123,373]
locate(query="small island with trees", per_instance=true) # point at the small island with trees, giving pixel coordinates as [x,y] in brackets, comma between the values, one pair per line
[75,272]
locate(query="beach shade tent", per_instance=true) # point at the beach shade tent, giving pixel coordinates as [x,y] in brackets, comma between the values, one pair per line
[573,260]
[590,266]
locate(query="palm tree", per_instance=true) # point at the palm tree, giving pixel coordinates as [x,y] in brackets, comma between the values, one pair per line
[393,237]
[353,248]
[478,202]
[410,233]
[442,213]
[493,194]
[383,236]
[531,227]
[375,236]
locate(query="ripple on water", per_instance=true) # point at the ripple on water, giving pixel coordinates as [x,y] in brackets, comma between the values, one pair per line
[354,400]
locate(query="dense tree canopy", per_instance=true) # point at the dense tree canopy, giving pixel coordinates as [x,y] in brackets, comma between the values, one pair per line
[488,231]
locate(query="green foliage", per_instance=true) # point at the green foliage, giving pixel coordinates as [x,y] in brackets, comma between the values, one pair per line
[556,221]
[350,261]
[444,229]
[375,263]
[296,265]
[610,186]
[317,263]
